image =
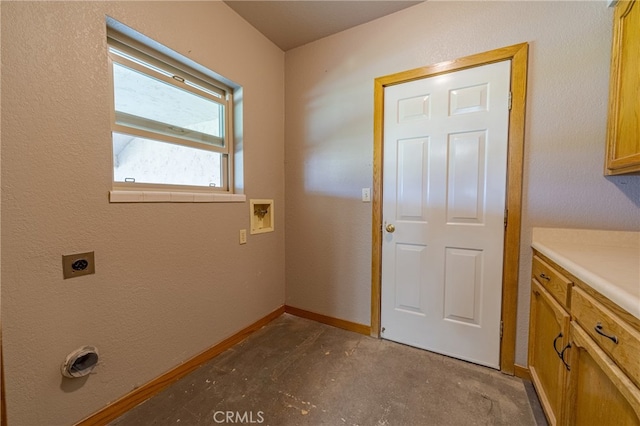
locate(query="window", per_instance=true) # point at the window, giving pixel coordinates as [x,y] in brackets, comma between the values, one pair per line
[171,125]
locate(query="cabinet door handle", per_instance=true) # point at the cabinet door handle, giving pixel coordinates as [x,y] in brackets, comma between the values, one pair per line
[562,356]
[598,328]
[545,277]
[561,353]
[554,343]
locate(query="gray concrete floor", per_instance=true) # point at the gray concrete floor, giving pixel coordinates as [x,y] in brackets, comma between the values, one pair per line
[300,372]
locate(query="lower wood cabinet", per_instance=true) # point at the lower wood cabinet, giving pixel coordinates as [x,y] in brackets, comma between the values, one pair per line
[548,336]
[583,356]
[599,393]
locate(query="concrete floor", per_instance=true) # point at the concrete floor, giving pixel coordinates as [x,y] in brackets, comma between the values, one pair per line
[300,372]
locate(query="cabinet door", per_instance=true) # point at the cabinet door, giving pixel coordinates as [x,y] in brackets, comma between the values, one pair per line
[623,130]
[548,327]
[599,393]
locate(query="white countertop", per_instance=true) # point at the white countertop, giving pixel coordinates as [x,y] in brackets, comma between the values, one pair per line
[608,261]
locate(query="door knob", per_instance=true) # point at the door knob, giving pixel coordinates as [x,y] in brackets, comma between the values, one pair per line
[390,228]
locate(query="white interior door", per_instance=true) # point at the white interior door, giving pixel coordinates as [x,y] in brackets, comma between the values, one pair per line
[444,186]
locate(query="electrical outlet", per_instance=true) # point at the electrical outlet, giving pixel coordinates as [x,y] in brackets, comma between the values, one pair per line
[243,236]
[76,265]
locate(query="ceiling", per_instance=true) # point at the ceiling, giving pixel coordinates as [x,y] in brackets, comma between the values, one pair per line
[290,24]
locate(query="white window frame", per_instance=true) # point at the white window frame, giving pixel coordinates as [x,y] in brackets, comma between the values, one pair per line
[127,49]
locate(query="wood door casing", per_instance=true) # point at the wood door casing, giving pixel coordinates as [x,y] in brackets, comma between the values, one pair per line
[518,54]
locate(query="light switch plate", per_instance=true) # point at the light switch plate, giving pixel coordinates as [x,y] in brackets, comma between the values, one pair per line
[366,195]
[77,265]
[243,236]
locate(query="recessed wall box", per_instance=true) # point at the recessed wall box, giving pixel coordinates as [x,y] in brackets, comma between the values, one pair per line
[261,216]
[76,265]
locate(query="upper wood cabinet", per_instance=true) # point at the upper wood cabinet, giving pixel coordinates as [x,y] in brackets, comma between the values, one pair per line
[623,130]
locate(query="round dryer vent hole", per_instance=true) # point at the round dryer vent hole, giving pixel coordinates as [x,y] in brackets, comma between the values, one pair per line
[80,362]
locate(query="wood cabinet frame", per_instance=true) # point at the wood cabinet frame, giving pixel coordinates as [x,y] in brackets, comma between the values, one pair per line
[548,365]
[623,128]
[587,360]
[594,385]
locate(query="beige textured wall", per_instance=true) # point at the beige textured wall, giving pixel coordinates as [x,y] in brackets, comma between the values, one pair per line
[329,131]
[171,279]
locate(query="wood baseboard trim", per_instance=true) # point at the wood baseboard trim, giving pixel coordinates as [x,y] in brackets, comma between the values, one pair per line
[335,322]
[521,372]
[144,392]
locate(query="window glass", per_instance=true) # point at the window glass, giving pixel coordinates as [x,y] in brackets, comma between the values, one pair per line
[140,160]
[148,103]
[170,122]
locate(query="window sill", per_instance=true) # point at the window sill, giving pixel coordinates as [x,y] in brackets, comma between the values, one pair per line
[173,197]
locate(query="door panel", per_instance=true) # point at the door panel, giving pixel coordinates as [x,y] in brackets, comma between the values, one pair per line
[414,108]
[411,260]
[412,155]
[465,189]
[462,285]
[444,183]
